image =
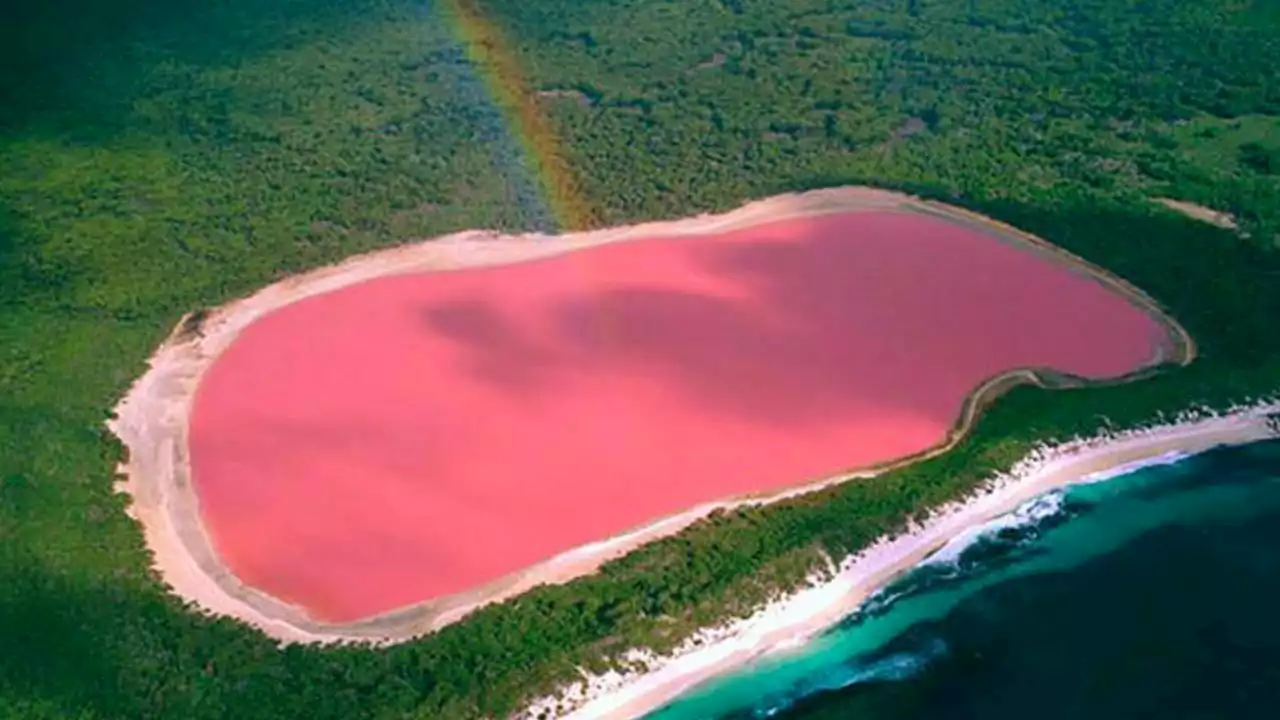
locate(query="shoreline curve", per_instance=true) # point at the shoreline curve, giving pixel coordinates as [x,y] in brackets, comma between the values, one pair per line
[787,624]
[152,419]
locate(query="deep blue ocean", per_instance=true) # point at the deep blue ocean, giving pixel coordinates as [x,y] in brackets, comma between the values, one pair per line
[1154,594]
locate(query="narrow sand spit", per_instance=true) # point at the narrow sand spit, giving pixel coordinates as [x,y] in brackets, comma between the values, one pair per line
[1201,213]
[790,621]
[152,420]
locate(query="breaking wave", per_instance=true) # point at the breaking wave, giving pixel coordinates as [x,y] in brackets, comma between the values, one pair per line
[890,667]
[1170,458]
[983,548]
[991,545]
[922,629]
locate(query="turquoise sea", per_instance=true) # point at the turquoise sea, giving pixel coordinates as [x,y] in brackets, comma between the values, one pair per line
[1150,594]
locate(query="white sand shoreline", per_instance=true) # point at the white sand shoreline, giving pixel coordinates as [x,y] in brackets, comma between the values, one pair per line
[151,420]
[789,622]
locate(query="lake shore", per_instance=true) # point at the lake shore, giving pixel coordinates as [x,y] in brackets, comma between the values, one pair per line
[788,623]
[152,420]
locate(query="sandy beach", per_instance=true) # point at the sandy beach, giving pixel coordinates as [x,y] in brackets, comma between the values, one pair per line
[153,418]
[789,622]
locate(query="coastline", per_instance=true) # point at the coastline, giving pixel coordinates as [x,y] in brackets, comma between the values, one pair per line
[152,418]
[789,622]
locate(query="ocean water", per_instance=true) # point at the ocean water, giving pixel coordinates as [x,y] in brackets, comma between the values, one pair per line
[1154,593]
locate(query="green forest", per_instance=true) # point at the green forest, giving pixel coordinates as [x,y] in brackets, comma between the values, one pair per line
[161,157]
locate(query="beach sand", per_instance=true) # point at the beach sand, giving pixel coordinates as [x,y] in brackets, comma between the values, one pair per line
[790,622]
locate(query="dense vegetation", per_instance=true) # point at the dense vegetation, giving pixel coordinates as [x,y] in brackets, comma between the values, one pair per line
[157,157]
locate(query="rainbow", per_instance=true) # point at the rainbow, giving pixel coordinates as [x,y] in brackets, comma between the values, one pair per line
[500,73]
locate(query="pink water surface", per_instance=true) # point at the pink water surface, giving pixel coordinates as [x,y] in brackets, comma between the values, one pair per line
[417,436]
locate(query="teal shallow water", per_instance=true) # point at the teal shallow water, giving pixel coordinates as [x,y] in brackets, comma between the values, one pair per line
[1154,592]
